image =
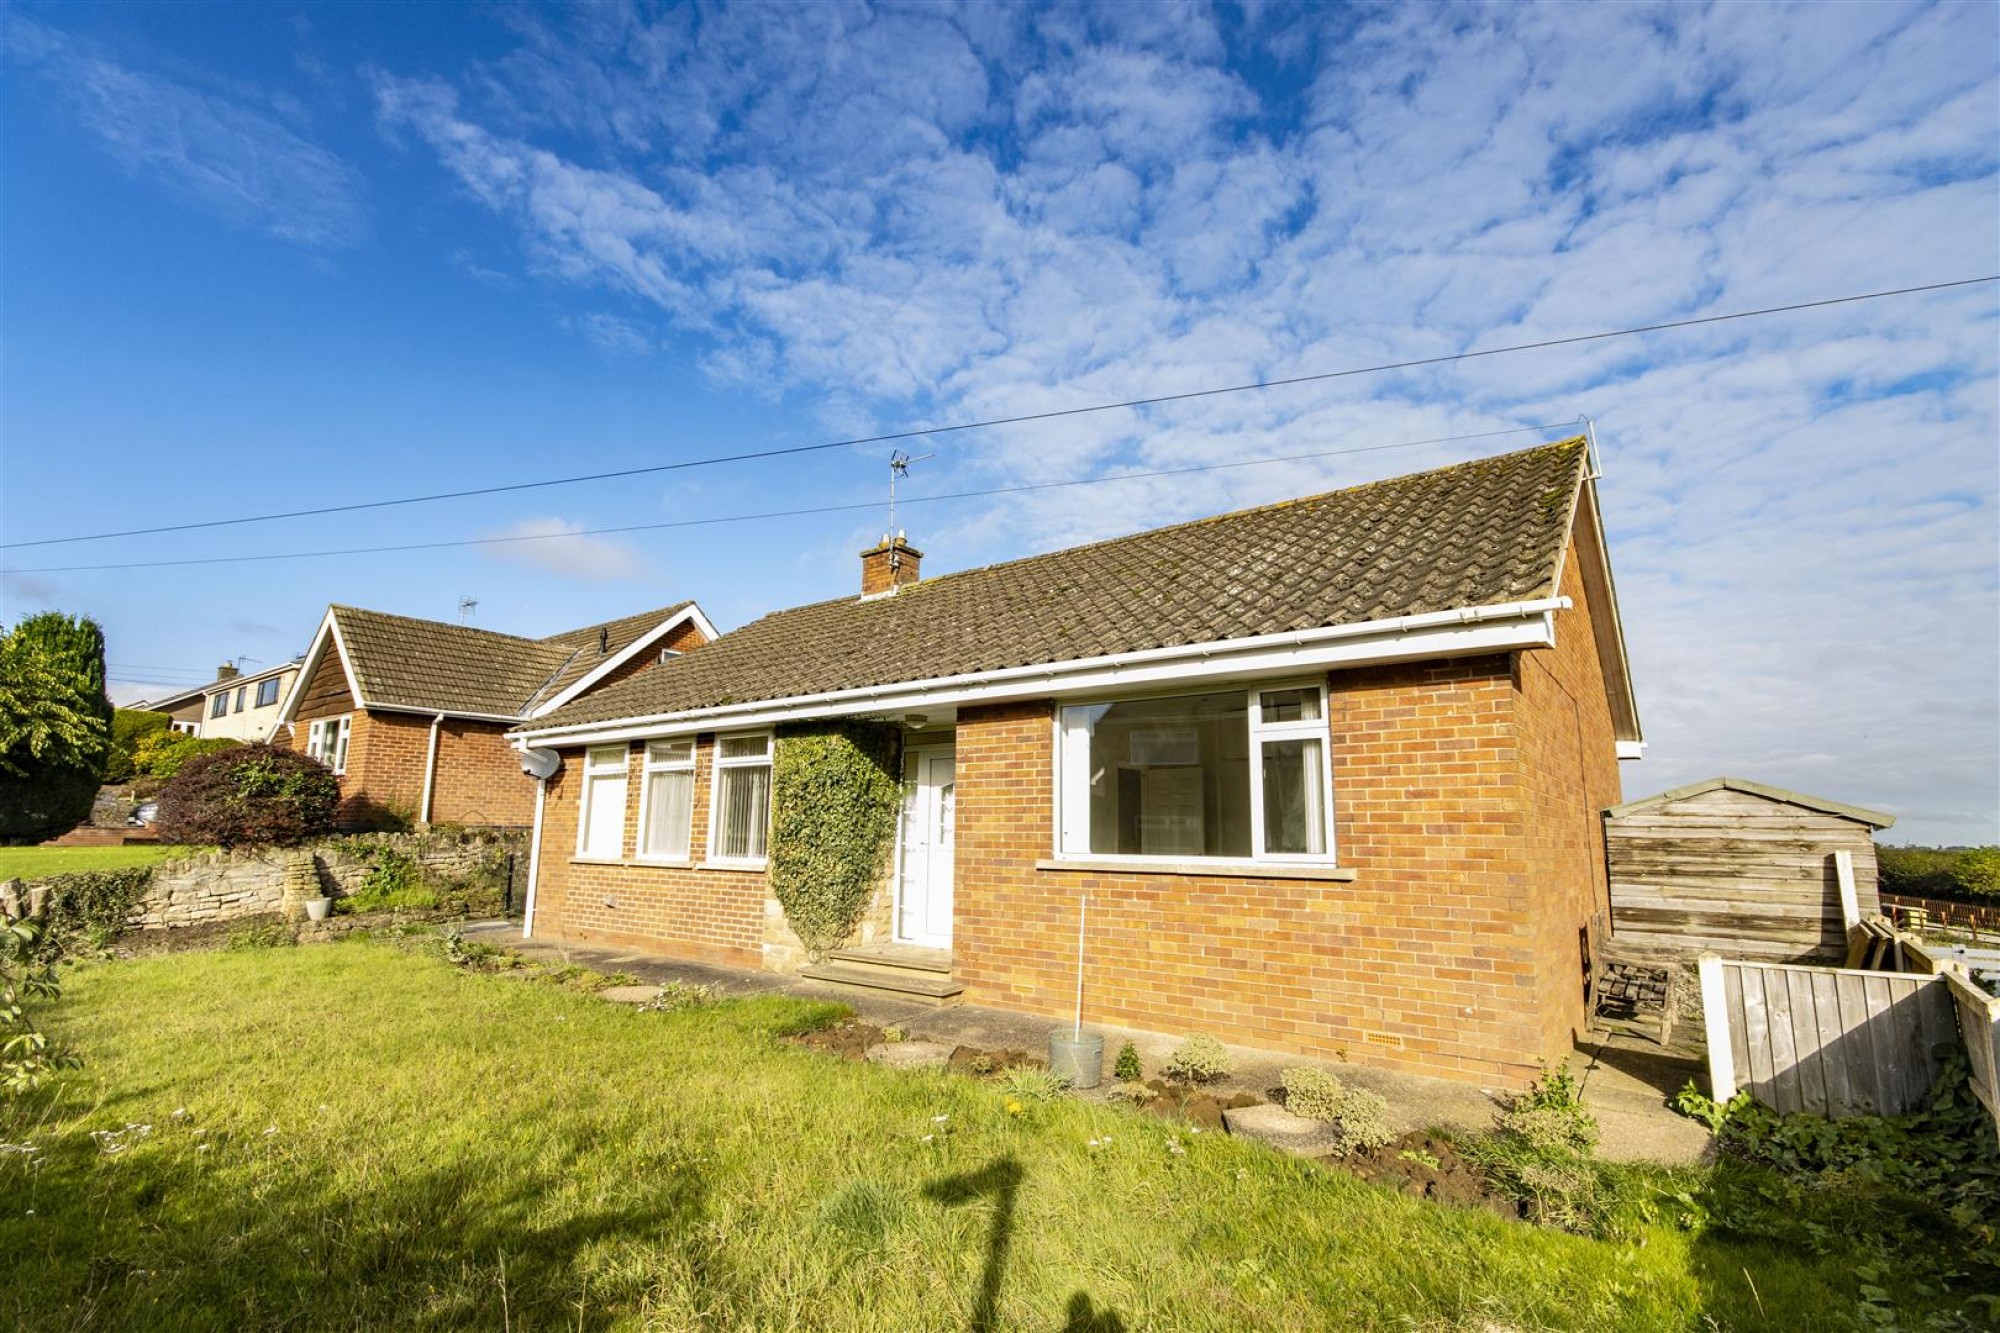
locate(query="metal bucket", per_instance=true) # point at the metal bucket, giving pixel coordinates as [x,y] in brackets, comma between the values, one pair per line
[1077,1059]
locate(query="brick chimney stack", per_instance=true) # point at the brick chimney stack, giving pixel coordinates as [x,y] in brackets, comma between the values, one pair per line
[227,671]
[889,565]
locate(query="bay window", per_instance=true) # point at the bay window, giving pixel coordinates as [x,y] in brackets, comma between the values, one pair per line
[666,801]
[741,818]
[600,823]
[1237,775]
[326,741]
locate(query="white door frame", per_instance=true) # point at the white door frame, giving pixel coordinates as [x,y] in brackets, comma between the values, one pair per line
[914,758]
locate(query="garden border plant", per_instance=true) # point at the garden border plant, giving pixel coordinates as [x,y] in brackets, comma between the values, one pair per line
[835,798]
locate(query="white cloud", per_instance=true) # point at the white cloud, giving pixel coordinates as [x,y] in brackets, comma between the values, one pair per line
[545,543]
[919,220]
[219,153]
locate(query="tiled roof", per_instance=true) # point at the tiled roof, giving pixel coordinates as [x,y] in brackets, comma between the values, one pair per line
[401,662]
[1476,534]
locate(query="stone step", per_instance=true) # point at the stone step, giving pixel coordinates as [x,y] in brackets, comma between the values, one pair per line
[916,983]
[896,955]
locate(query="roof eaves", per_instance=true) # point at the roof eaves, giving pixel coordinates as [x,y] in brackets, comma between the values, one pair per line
[1860,814]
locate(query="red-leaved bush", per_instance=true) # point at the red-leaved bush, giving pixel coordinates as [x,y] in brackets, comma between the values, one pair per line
[249,796]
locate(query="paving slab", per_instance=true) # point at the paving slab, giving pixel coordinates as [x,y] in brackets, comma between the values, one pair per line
[1282,1130]
[629,994]
[909,1054]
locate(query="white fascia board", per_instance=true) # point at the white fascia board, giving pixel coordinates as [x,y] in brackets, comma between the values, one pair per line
[631,650]
[415,711]
[1461,633]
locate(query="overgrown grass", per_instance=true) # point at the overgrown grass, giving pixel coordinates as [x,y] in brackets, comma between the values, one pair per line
[357,1136]
[40,862]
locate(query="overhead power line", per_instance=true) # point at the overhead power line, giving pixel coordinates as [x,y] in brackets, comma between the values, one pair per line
[795,513]
[1020,419]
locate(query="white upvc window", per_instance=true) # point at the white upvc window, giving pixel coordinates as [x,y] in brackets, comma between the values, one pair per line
[666,801]
[600,822]
[326,741]
[219,705]
[739,817]
[267,692]
[1226,775]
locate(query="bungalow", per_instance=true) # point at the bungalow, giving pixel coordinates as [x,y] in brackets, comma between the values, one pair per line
[1329,772]
[413,714]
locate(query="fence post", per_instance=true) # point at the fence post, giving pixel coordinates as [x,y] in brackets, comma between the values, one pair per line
[1850,900]
[1715,1021]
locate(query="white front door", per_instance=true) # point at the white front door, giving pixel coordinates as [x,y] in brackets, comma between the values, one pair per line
[923,910]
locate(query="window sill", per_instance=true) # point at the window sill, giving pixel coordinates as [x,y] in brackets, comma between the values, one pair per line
[716,863]
[662,862]
[598,861]
[1223,869]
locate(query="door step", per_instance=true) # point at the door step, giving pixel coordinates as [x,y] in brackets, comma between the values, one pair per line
[923,975]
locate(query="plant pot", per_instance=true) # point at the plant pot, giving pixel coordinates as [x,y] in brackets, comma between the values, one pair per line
[318,909]
[1078,1059]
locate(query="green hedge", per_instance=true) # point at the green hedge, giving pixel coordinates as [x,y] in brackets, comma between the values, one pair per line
[1967,874]
[834,802]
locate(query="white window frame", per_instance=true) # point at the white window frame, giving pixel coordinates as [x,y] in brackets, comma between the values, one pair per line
[602,762]
[652,764]
[326,741]
[1072,761]
[716,764]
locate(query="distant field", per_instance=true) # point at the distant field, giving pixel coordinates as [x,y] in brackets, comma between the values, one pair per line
[41,862]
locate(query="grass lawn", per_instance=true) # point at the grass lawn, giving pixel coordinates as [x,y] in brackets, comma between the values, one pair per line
[40,862]
[358,1136]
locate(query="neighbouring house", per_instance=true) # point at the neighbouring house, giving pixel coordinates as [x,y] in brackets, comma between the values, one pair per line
[413,714]
[1738,868]
[233,706]
[1329,771]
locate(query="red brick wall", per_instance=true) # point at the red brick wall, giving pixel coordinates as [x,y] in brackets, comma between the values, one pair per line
[687,912]
[1423,962]
[1569,765]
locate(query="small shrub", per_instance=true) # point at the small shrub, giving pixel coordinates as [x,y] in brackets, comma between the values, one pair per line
[163,754]
[1550,1116]
[893,1035]
[1199,1059]
[1362,1118]
[1128,1069]
[28,1057]
[1134,1092]
[675,996]
[250,795]
[1312,1093]
[1033,1085]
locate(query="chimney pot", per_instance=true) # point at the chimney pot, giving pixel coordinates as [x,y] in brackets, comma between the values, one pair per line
[889,565]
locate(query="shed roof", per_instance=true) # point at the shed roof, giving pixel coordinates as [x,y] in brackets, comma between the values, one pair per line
[1854,812]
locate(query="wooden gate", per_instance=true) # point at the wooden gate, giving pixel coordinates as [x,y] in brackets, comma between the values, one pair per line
[1829,1041]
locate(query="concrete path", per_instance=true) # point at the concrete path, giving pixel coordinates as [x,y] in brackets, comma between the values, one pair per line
[1626,1087]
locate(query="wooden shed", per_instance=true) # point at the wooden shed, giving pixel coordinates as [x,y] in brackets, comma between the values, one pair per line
[1737,868]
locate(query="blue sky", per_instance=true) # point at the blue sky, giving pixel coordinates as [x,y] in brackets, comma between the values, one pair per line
[274,257]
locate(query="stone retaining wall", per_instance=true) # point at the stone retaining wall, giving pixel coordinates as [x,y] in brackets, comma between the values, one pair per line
[220,886]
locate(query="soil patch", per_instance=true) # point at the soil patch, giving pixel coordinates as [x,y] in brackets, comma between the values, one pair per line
[849,1039]
[1425,1166]
[1202,1107]
[977,1063]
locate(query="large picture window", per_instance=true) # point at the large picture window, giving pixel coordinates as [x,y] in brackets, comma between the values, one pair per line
[666,802]
[742,818]
[326,741]
[600,824]
[1227,775]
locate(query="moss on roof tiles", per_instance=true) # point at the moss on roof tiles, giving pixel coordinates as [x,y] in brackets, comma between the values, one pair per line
[1474,534]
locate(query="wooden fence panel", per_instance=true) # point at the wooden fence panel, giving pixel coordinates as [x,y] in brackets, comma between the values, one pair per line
[1830,1041]
[1979,1025]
